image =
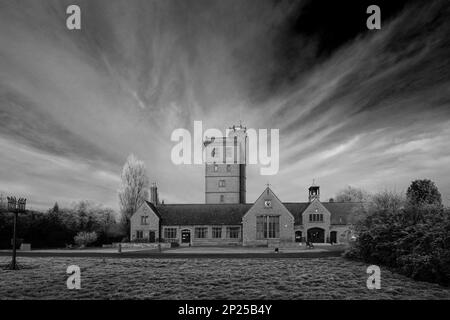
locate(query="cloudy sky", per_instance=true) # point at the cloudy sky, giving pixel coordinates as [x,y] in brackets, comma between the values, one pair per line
[355,107]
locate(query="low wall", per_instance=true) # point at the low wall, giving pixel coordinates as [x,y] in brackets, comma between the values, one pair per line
[141,245]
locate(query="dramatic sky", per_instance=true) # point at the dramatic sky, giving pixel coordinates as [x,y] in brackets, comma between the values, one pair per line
[354,106]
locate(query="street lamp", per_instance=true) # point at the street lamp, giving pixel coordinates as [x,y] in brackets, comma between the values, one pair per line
[15,206]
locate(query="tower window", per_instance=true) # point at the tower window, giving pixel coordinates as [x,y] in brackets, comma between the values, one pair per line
[222,183]
[216,168]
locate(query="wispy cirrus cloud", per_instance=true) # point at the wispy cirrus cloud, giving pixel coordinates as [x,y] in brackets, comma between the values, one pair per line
[364,108]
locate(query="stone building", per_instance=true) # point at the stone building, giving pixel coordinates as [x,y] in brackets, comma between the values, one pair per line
[226,218]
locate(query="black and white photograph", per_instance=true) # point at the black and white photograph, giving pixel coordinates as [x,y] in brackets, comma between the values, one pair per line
[250,151]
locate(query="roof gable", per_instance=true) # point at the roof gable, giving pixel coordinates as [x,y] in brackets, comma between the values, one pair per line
[268,194]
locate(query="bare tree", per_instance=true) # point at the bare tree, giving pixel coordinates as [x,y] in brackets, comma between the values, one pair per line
[352,194]
[134,189]
[388,200]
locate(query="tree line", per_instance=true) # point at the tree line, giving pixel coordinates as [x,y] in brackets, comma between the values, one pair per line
[58,228]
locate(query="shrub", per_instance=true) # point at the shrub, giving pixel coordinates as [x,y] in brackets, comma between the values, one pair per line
[415,241]
[83,239]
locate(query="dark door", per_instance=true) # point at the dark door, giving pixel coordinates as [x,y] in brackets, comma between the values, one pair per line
[151,236]
[333,237]
[316,235]
[186,236]
[298,236]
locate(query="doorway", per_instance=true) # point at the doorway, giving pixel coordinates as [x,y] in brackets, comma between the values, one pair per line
[316,235]
[298,236]
[151,236]
[186,236]
[333,237]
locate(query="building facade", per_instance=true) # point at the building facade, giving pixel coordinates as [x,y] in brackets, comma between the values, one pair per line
[226,218]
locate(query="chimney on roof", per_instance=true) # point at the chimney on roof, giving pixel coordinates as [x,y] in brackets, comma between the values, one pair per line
[154,194]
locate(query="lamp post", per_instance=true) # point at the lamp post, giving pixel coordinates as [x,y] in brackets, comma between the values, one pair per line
[15,206]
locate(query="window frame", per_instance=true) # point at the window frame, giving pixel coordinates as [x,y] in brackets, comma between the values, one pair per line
[267,227]
[235,231]
[203,233]
[168,232]
[215,234]
[144,220]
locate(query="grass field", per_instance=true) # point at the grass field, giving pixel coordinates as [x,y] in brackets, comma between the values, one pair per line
[322,278]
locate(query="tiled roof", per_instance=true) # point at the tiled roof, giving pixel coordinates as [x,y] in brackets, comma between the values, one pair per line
[202,214]
[231,214]
[297,208]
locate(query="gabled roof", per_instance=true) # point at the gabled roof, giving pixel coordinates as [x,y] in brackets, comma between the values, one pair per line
[232,214]
[297,208]
[153,207]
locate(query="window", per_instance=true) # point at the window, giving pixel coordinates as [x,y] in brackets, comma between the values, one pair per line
[170,233]
[267,227]
[233,232]
[222,183]
[140,234]
[222,198]
[216,168]
[228,167]
[316,217]
[217,232]
[144,220]
[260,227]
[201,232]
[268,204]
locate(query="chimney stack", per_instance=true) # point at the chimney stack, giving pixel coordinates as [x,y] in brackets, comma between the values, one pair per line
[154,194]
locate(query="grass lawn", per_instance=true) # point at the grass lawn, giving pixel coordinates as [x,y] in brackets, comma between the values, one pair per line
[110,278]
